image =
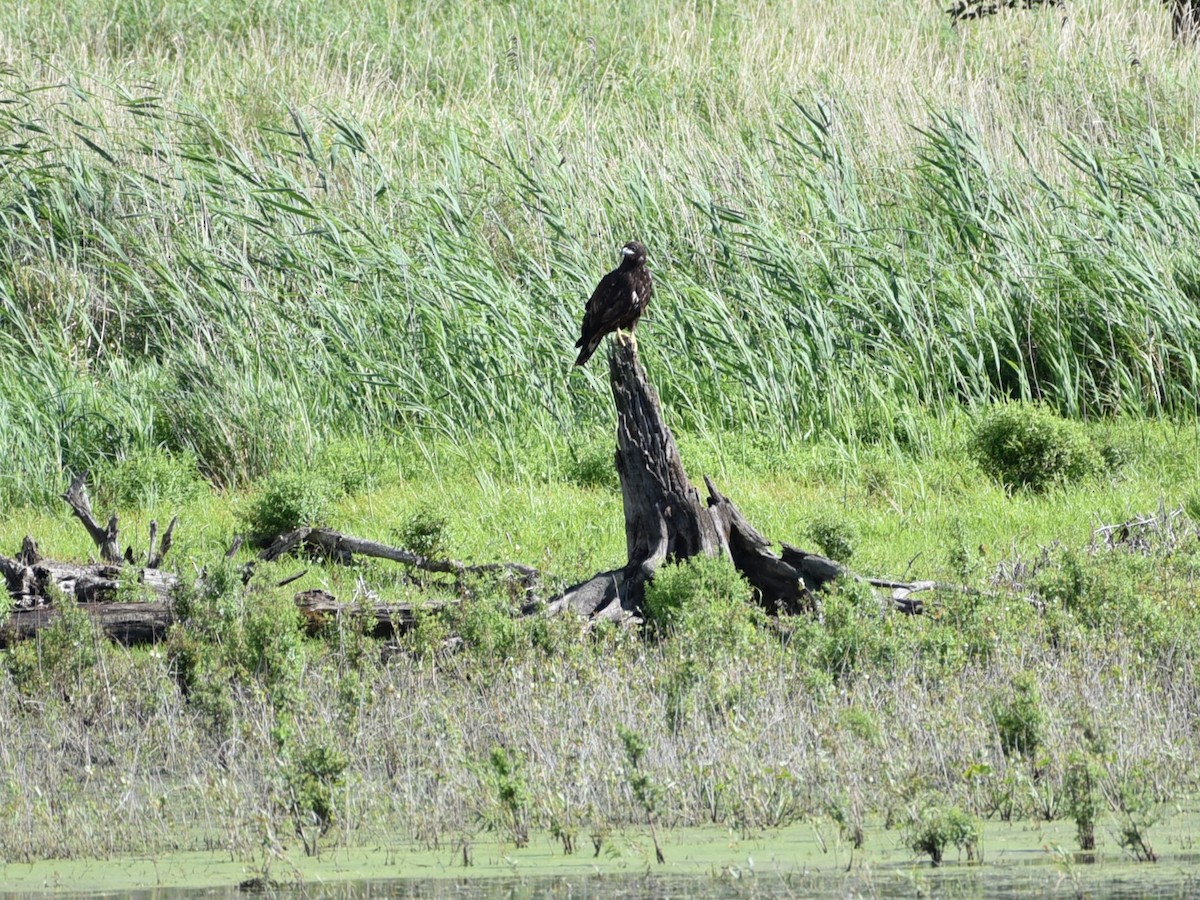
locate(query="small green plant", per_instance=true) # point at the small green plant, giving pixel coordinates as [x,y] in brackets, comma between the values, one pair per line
[1026,445]
[428,634]
[861,723]
[487,625]
[424,532]
[851,635]
[288,500]
[1132,800]
[1080,788]
[505,773]
[1019,718]
[706,599]
[835,536]
[645,790]
[227,634]
[937,827]
[64,653]
[311,780]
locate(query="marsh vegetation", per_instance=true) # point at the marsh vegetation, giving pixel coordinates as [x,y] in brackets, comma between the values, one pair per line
[925,300]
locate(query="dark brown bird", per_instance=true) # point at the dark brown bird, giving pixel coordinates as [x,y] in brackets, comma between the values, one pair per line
[618,300]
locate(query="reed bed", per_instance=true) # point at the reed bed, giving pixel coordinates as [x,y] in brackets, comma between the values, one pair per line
[240,230]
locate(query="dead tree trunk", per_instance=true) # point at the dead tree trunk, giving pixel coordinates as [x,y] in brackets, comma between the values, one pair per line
[666,521]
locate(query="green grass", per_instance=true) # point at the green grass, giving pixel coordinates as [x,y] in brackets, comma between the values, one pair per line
[238,234]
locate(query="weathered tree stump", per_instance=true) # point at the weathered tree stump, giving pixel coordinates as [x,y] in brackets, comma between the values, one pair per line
[666,521]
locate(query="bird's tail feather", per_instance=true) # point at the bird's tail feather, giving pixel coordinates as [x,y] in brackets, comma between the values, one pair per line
[586,353]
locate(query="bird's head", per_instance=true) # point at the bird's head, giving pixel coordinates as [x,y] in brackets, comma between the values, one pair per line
[633,255]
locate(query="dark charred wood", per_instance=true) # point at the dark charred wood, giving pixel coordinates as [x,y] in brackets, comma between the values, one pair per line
[124,623]
[779,586]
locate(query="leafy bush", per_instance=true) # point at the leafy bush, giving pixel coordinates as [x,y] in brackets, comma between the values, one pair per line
[706,600]
[64,654]
[504,774]
[936,827]
[311,780]
[1079,786]
[1026,445]
[424,533]
[227,634]
[287,500]
[835,536]
[1019,718]
[852,634]
[487,625]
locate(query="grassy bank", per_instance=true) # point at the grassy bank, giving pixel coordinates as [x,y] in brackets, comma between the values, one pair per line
[238,235]
[1063,653]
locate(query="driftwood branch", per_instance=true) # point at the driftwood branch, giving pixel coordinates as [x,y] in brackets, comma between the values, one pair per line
[104,538]
[342,547]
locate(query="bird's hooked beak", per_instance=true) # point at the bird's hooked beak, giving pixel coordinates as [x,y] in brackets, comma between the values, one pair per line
[627,252]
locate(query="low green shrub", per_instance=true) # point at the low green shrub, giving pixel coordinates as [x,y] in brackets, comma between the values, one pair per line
[287,500]
[64,654]
[938,826]
[425,532]
[227,634]
[854,632]
[1025,445]
[706,599]
[1080,783]
[835,536]
[1019,717]
[311,781]
[504,775]
[488,626]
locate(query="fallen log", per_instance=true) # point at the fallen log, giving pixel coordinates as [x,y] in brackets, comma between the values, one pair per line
[334,545]
[125,623]
[133,624]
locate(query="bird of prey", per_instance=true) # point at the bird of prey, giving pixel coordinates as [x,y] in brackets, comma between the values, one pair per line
[619,299]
